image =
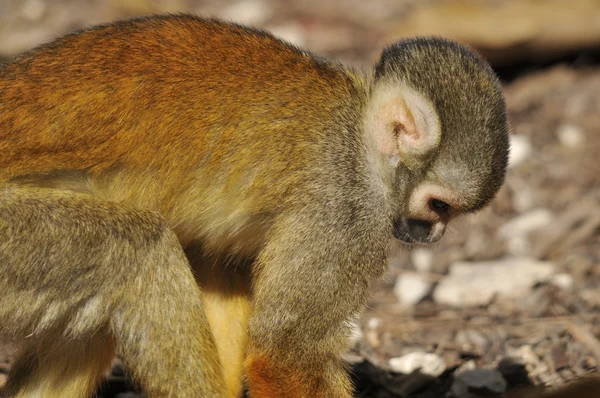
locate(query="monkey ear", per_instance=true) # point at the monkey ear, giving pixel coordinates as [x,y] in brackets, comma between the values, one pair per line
[404,125]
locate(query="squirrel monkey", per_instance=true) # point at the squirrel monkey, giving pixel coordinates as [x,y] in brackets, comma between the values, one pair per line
[211,203]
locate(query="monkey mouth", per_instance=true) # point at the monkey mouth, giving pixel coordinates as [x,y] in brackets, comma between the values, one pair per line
[415,231]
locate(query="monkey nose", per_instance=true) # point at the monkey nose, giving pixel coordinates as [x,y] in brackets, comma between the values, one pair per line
[412,230]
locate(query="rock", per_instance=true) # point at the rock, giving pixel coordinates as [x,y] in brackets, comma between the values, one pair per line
[411,288]
[534,365]
[524,224]
[570,136]
[470,340]
[371,334]
[478,383]
[374,323]
[472,284]
[422,259]
[563,281]
[520,149]
[465,367]
[518,245]
[516,231]
[426,363]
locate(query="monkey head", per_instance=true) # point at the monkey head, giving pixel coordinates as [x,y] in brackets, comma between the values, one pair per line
[437,120]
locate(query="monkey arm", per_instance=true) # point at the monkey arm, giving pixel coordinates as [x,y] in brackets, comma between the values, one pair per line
[307,290]
[80,277]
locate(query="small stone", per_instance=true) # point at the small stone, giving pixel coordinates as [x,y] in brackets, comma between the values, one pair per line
[411,288]
[422,259]
[520,150]
[570,136]
[426,363]
[373,338]
[471,340]
[563,281]
[515,231]
[479,383]
[469,365]
[518,245]
[473,284]
[529,358]
[374,323]
[531,221]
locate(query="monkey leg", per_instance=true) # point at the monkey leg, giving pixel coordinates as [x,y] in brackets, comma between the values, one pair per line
[71,266]
[225,285]
[56,369]
[307,289]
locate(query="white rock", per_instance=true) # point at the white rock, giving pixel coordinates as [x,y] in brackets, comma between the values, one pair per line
[429,364]
[411,287]
[535,367]
[515,231]
[469,365]
[248,12]
[563,281]
[472,284]
[422,259]
[518,245]
[374,323]
[526,354]
[524,224]
[520,149]
[570,136]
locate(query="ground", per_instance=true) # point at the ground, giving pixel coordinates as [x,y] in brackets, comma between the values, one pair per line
[513,287]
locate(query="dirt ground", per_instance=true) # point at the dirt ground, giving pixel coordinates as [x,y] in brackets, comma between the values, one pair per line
[516,283]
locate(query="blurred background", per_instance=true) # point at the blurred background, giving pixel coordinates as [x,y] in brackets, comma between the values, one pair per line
[510,296]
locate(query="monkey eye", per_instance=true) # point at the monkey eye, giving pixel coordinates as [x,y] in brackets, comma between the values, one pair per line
[439,206]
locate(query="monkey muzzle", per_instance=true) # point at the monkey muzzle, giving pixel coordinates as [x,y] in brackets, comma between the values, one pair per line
[412,230]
